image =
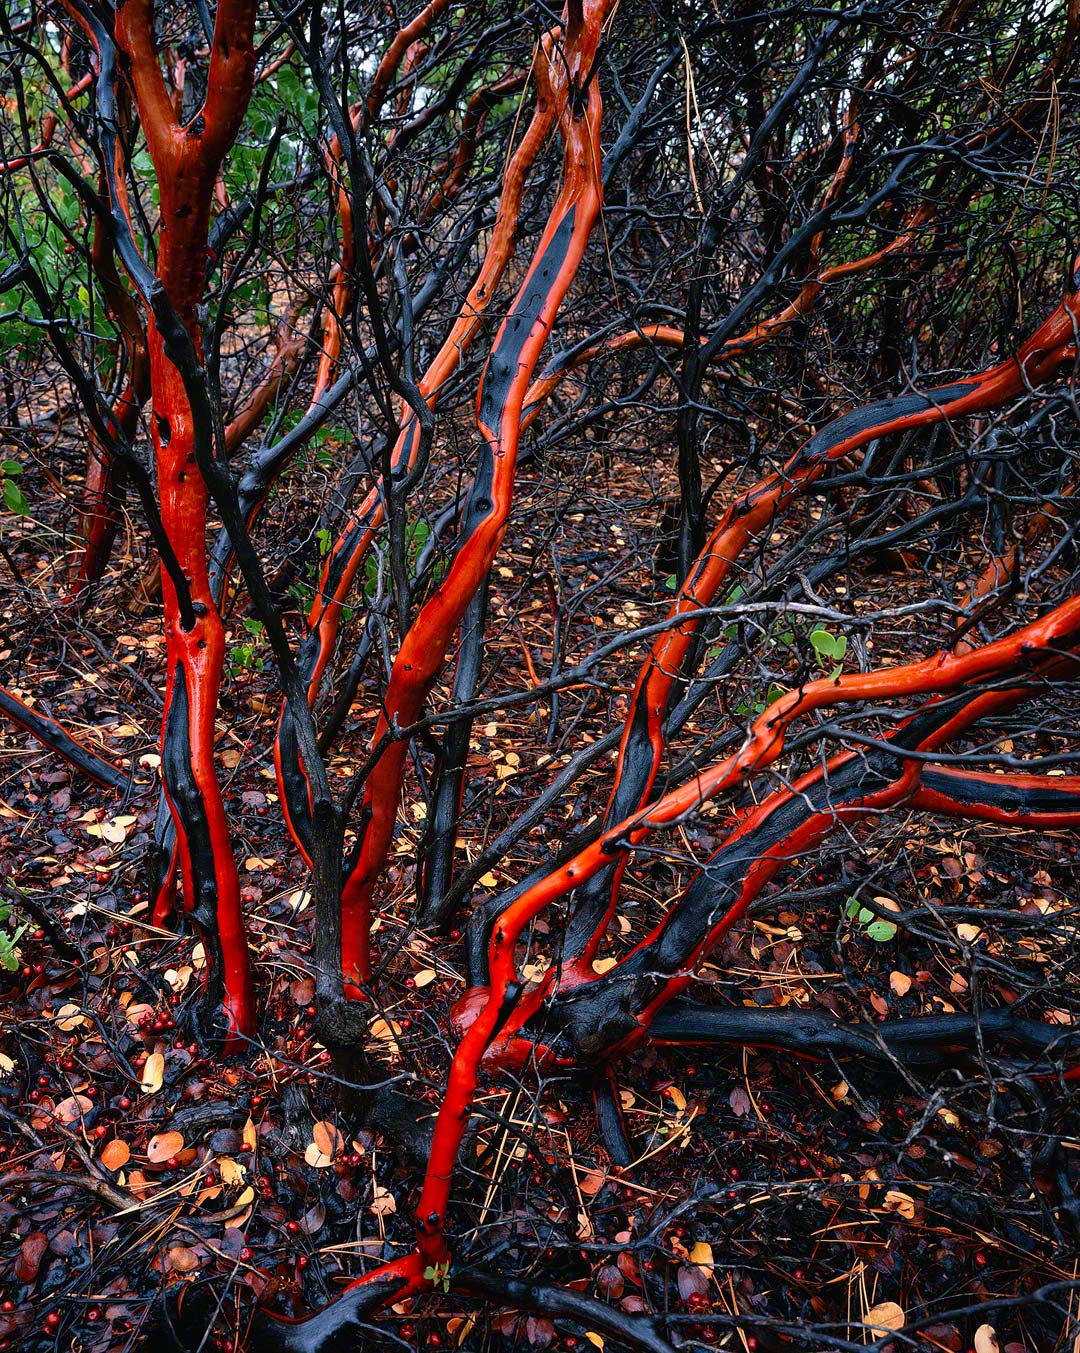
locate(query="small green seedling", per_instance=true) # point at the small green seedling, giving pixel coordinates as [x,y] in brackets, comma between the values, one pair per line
[830,648]
[245,656]
[9,939]
[874,928]
[439,1275]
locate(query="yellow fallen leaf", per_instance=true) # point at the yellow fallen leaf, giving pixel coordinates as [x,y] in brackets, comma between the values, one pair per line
[488,880]
[594,1339]
[702,1255]
[69,1017]
[901,1203]
[461,1327]
[386,1031]
[231,1171]
[153,1076]
[885,1315]
[424,977]
[317,1159]
[603,965]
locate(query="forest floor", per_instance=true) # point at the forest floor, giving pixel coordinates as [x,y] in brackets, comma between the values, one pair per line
[776,1202]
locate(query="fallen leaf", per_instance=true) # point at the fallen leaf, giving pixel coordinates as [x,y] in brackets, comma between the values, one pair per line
[591,1183]
[986,1340]
[69,1017]
[115,1154]
[231,1171]
[31,1253]
[702,1254]
[153,1076]
[164,1146]
[70,1110]
[900,983]
[383,1202]
[886,1315]
[901,1203]
[328,1139]
[386,1031]
[424,977]
[183,1260]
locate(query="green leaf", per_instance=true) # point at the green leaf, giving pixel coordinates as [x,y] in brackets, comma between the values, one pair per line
[852,909]
[8,957]
[11,467]
[14,500]
[824,644]
[881,932]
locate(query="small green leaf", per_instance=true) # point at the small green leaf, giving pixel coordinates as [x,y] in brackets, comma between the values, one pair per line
[852,908]
[881,932]
[14,500]
[822,642]
[672,583]
[11,467]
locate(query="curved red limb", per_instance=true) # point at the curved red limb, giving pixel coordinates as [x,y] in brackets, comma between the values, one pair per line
[754,512]
[513,359]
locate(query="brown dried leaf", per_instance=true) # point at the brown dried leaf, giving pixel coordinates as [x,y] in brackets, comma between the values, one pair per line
[70,1110]
[183,1260]
[591,1182]
[31,1253]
